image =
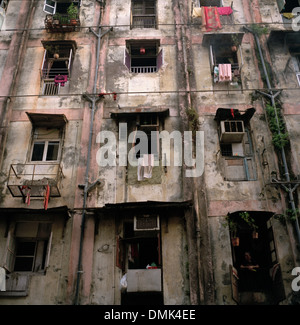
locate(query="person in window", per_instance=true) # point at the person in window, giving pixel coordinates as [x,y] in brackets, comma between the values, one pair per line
[249,263]
[249,279]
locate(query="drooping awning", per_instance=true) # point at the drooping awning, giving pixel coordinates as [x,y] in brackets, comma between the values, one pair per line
[124,112]
[47,120]
[144,206]
[223,114]
[222,38]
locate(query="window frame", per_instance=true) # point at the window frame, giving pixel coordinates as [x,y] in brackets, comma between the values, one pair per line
[159,56]
[143,14]
[45,150]
[11,248]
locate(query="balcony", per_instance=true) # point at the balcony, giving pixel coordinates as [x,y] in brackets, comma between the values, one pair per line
[144,280]
[146,21]
[34,177]
[60,23]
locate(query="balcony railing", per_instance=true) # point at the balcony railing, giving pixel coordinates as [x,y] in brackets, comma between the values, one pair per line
[144,21]
[149,69]
[59,23]
[50,88]
[34,177]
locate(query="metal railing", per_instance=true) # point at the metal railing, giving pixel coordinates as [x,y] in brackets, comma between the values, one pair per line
[144,21]
[34,176]
[149,69]
[61,23]
[50,88]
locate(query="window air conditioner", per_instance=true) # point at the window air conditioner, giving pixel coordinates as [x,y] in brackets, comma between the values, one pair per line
[146,222]
[232,131]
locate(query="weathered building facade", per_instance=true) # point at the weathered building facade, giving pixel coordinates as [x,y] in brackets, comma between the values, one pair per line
[110,195]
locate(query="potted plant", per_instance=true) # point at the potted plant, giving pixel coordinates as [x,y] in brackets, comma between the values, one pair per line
[250,222]
[233,227]
[235,42]
[72,12]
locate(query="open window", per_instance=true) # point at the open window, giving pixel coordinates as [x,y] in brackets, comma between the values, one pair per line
[56,66]
[28,247]
[141,258]
[236,144]
[143,14]
[262,248]
[287,6]
[225,56]
[143,56]
[62,16]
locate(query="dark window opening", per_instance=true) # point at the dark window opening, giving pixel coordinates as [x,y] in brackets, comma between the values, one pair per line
[143,249]
[45,151]
[25,256]
[226,149]
[290,5]
[225,55]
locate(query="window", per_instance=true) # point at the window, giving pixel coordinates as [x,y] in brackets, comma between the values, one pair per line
[143,56]
[28,247]
[138,248]
[56,66]
[262,248]
[287,5]
[143,14]
[46,144]
[60,7]
[237,152]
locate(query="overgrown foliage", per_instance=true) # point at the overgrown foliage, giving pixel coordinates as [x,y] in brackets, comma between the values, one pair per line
[280,137]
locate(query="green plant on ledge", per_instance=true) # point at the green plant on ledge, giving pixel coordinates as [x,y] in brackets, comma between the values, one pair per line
[280,137]
[193,119]
[72,11]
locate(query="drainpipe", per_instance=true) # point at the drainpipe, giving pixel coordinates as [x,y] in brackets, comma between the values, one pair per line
[87,187]
[195,186]
[272,96]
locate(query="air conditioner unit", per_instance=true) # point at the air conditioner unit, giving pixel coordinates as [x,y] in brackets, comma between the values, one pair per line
[232,131]
[298,78]
[146,222]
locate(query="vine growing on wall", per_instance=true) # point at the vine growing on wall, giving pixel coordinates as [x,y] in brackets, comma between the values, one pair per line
[280,137]
[193,118]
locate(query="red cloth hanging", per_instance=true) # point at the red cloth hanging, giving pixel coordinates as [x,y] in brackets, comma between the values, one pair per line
[210,19]
[232,112]
[46,197]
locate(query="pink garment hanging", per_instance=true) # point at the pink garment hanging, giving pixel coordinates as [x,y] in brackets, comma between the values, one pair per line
[225,11]
[225,72]
[60,79]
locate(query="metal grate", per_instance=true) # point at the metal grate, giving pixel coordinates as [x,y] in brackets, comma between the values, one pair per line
[50,89]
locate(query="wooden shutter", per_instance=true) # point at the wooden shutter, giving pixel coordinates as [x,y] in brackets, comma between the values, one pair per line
[123,131]
[240,58]
[211,58]
[277,283]
[10,250]
[159,59]
[234,284]
[44,65]
[120,253]
[70,62]
[127,59]
[50,7]
[281,4]
[47,259]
